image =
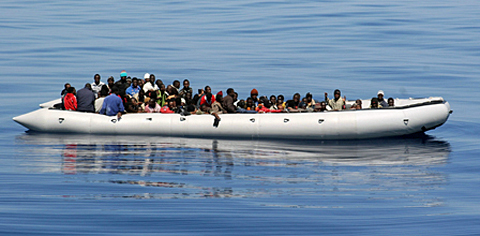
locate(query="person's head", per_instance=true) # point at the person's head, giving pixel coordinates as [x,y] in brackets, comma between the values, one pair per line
[71,90]
[219,97]
[207,89]
[391,102]
[208,96]
[305,100]
[296,97]
[134,82]
[67,85]
[162,88]
[281,98]
[191,108]
[280,106]
[374,103]
[172,103]
[104,91]
[110,81]
[141,94]
[188,96]
[358,104]
[96,78]
[152,103]
[186,83]
[249,102]
[309,97]
[176,84]
[123,75]
[88,86]
[158,82]
[380,95]
[129,81]
[203,108]
[273,100]
[337,94]
[115,90]
[230,92]
[254,94]
[235,96]
[146,77]
[323,106]
[152,79]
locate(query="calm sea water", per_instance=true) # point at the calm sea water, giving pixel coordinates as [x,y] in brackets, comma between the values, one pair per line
[103,185]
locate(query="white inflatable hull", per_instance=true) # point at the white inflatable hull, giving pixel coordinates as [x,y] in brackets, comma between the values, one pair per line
[415,116]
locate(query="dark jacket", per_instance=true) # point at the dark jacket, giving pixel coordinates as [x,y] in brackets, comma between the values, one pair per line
[85,100]
[228,104]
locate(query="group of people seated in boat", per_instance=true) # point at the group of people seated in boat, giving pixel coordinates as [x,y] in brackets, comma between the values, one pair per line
[151,95]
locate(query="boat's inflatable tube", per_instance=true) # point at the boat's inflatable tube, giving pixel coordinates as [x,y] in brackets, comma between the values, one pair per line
[415,115]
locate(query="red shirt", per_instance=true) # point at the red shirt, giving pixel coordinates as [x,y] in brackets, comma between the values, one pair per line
[70,102]
[204,101]
[166,109]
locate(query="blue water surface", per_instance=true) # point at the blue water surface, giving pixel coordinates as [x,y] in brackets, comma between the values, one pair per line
[115,185]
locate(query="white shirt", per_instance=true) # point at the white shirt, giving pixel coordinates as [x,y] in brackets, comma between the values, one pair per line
[96,88]
[148,86]
[98,104]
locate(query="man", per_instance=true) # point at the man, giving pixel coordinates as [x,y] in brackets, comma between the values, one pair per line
[99,102]
[150,85]
[337,103]
[64,91]
[310,103]
[152,107]
[229,100]
[254,96]
[186,89]
[217,107]
[380,99]
[97,85]
[176,85]
[374,103]
[113,105]
[122,84]
[70,101]
[134,89]
[391,102]
[86,99]
[170,107]
[293,104]
[320,107]
[207,100]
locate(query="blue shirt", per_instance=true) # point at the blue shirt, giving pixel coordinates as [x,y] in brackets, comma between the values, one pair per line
[112,105]
[132,91]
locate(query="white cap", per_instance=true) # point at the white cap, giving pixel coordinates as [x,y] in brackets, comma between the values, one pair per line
[380,92]
[146,76]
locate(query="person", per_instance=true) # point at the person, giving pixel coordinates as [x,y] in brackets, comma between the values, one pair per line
[113,105]
[281,100]
[293,104]
[162,96]
[380,99]
[186,89]
[357,105]
[169,107]
[150,85]
[391,102]
[97,85]
[217,107]
[69,100]
[207,99]
[374,103]
[320,107]
[65,89]
[134,89]
[254,96]
[310,103]
[228,101]
[337,103]
[132,106]
[176,85]
[122,84]
[250,104]
[273,102]
[196,98]
[86,99]
[99,102]
[152,106]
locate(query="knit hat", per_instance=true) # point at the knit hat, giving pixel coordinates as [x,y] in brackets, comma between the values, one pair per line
[254,91]
[220,93]
[123,73]
[146,76]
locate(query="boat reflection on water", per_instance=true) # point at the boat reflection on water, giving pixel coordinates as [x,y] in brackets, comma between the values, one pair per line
[193,168]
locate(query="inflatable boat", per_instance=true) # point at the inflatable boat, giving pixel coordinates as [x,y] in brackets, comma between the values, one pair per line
[409,116]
